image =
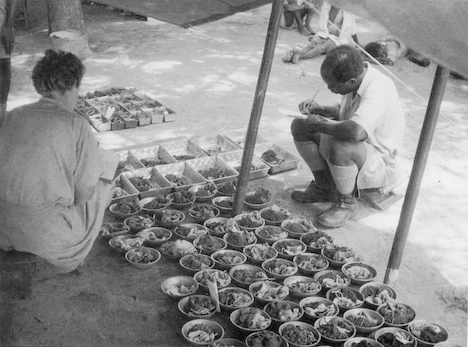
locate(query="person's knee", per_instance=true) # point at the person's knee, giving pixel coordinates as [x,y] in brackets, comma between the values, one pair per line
[301,133]
[340,150]
[297,130]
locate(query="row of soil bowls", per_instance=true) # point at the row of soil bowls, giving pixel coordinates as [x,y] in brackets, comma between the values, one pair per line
[280,282]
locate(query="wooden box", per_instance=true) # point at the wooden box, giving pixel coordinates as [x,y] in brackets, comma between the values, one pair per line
[259,168]
[289,160]
[214,162]
[179,170]
[214,144]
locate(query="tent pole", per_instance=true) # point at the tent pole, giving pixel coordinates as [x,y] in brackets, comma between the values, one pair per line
[256,113]
[420,160]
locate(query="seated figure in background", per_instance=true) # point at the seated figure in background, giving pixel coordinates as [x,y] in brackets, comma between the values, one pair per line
[54,183]
[388,49]
[336,27]
[300,13]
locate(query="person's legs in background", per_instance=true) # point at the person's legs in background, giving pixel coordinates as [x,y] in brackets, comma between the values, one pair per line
[307,144]
[308,17]
[315,48]
[288,18]
[5,80]
[299,17]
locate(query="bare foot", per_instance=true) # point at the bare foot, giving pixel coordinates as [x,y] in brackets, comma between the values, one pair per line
[288,56]
[304,32]
[295,58]
[287,27]
[310,30]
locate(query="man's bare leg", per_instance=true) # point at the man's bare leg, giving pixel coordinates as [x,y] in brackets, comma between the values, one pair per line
[308,20]
[299,17]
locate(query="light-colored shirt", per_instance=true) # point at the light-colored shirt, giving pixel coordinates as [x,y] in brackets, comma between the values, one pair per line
[377,108]
[395,48]
[48,155]
[341,30]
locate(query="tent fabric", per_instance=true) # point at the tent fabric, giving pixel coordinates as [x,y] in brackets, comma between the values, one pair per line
[435,28]
[185,13]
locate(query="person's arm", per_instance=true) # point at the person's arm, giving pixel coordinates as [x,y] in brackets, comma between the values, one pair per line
[89,164]
[311,107]
[7,37]
[343,130]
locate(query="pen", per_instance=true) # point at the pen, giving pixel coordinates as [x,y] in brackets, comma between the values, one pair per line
[312,100]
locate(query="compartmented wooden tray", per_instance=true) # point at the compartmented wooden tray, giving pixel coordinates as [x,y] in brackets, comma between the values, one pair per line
[183,149]
[259,168]
[148,177]
[100,123]
[238,137]
[149,105]
[127,162]
[143,109]
[289,160]
[156,154]
[214,166]
[128,189]
[117,122]
[214,144]
[142,117]
[184,174]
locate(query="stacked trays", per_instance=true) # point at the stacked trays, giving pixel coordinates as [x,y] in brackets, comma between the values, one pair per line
[122,108]
[181,163]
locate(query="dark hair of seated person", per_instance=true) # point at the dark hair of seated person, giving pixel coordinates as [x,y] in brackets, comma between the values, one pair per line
[57,71]
[378,51]
[343,62]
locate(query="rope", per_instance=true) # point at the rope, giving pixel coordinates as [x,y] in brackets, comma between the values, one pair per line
[194,31]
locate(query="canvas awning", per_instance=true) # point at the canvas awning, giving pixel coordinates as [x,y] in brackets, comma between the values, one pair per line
[185,13]
[437,29]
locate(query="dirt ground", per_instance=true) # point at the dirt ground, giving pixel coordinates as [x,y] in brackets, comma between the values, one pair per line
[208,75]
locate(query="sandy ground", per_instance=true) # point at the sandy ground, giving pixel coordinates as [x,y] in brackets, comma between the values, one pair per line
[208,75]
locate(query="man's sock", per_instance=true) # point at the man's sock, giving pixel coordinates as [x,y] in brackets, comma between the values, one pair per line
[308,150]
[344,177]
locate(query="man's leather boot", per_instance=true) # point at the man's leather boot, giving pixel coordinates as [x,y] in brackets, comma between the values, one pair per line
[343,209]
[319,190]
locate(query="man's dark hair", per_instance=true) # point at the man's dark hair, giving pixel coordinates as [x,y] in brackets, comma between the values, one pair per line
[57,71]
[375,49]
[343,63]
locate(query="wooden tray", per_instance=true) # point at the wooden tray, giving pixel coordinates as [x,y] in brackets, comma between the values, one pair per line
[183,147]
[214,144]
[127,186]
[178,169]
[153,152]
[164,186]
[234,159]
[206,163]
[290,161]
[129,160]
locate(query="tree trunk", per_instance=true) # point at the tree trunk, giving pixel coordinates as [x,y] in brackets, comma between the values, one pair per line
[66,16]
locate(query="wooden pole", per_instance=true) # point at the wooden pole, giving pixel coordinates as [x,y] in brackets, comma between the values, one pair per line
[420,160]
[256,113]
